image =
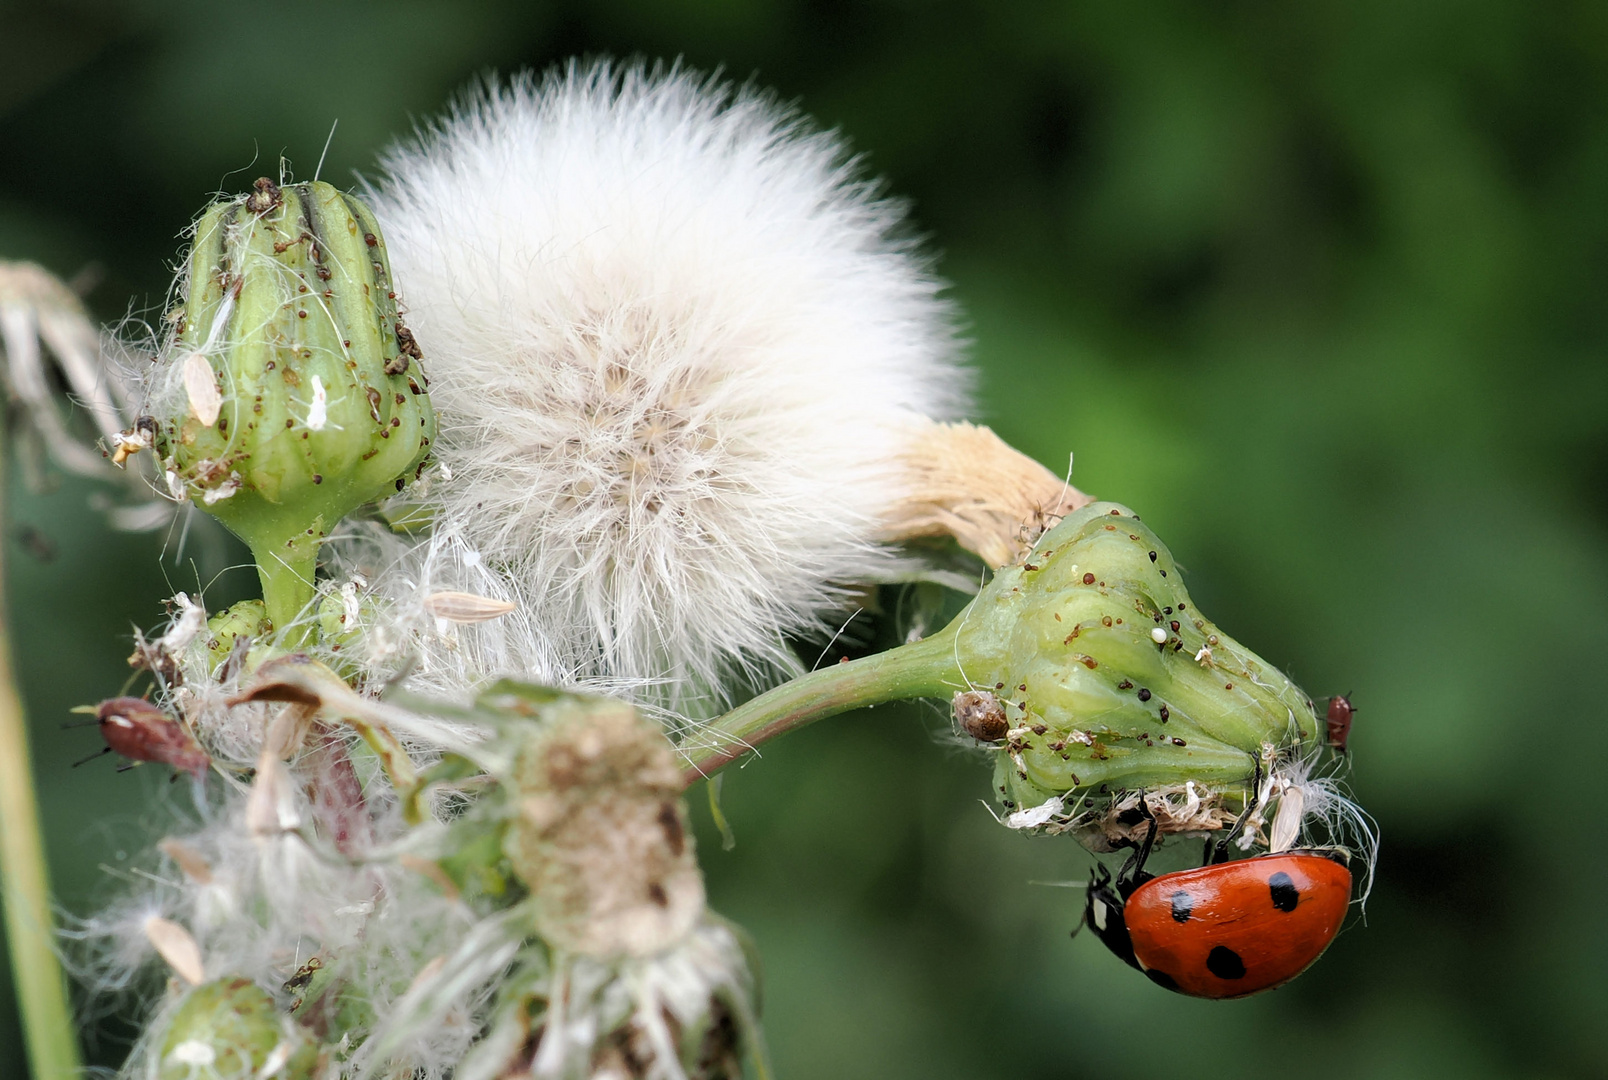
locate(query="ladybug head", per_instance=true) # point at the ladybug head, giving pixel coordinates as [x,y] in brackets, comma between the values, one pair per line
[1102,913]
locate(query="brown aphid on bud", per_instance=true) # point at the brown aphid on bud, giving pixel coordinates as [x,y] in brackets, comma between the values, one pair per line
[140,731]
[980,715]
[1337,724]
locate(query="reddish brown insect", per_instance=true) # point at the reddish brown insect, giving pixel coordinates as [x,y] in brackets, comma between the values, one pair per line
[1339,721]
[980,715]
[140,731]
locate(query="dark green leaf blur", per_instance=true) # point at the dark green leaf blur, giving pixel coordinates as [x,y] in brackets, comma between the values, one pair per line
[1320,289]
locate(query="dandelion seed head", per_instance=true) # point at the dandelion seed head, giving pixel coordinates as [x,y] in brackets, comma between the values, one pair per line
[674,341]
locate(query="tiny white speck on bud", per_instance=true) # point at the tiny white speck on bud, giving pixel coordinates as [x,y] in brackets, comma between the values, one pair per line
[195,1053]
[214,495]
[1033,817]
[191,620]
[318,409]
[1158,635]
[1204,656]
[201,387]
[175,945]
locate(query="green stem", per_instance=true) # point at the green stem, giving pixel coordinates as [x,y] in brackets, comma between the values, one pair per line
[30,934]
[286,568]
[924,668]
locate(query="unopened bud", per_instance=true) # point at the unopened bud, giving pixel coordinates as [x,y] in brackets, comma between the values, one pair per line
[293,394]
[1109,675]
[229,1029]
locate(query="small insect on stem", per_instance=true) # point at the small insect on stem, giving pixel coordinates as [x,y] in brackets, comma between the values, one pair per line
[140,731]
[1338,721]
[980,715]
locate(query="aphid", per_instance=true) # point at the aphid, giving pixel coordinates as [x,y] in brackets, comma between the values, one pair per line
[1338,722]
[980,715]
[1224,930]
[140,731]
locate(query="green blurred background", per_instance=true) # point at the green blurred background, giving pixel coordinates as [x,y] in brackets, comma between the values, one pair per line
[1317,288]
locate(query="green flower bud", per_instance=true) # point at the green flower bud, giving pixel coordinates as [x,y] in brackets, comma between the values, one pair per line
[1109,676]
[1088,665]
[229,1029]
[295,394]
[248,618]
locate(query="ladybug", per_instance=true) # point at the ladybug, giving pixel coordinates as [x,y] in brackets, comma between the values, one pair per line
[1226,929]
[1337,727]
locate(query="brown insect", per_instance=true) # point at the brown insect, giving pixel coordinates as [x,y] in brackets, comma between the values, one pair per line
[980,715]
[304,975]
[1339,721]
[140,731]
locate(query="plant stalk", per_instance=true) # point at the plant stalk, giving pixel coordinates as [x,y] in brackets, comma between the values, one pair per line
[286,568]
[36,972]
[925,668]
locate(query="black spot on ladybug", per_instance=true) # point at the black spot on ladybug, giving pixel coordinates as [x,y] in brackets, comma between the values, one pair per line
[1182,905]
[1162,979]
[1225,963]
[1285,894]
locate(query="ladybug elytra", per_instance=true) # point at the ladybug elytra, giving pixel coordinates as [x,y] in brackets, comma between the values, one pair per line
[1227,929]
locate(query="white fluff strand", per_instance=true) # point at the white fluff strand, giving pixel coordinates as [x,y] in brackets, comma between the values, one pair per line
[675,344]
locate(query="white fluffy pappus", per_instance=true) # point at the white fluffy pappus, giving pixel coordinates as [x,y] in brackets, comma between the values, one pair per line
[675,342]
[260,903]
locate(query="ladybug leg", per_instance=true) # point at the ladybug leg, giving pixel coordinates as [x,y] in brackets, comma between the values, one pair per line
[1133,873]
[1220,852]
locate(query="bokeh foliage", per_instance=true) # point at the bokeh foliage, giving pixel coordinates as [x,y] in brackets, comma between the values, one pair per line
[1316,288]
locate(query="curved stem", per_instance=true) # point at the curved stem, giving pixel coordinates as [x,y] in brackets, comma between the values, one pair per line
[924,668]
[30,933]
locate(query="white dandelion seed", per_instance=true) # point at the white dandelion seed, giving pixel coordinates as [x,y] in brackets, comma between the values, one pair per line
[676,344]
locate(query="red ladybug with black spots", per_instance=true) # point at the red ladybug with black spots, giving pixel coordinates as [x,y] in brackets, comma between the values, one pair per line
[1226,929]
